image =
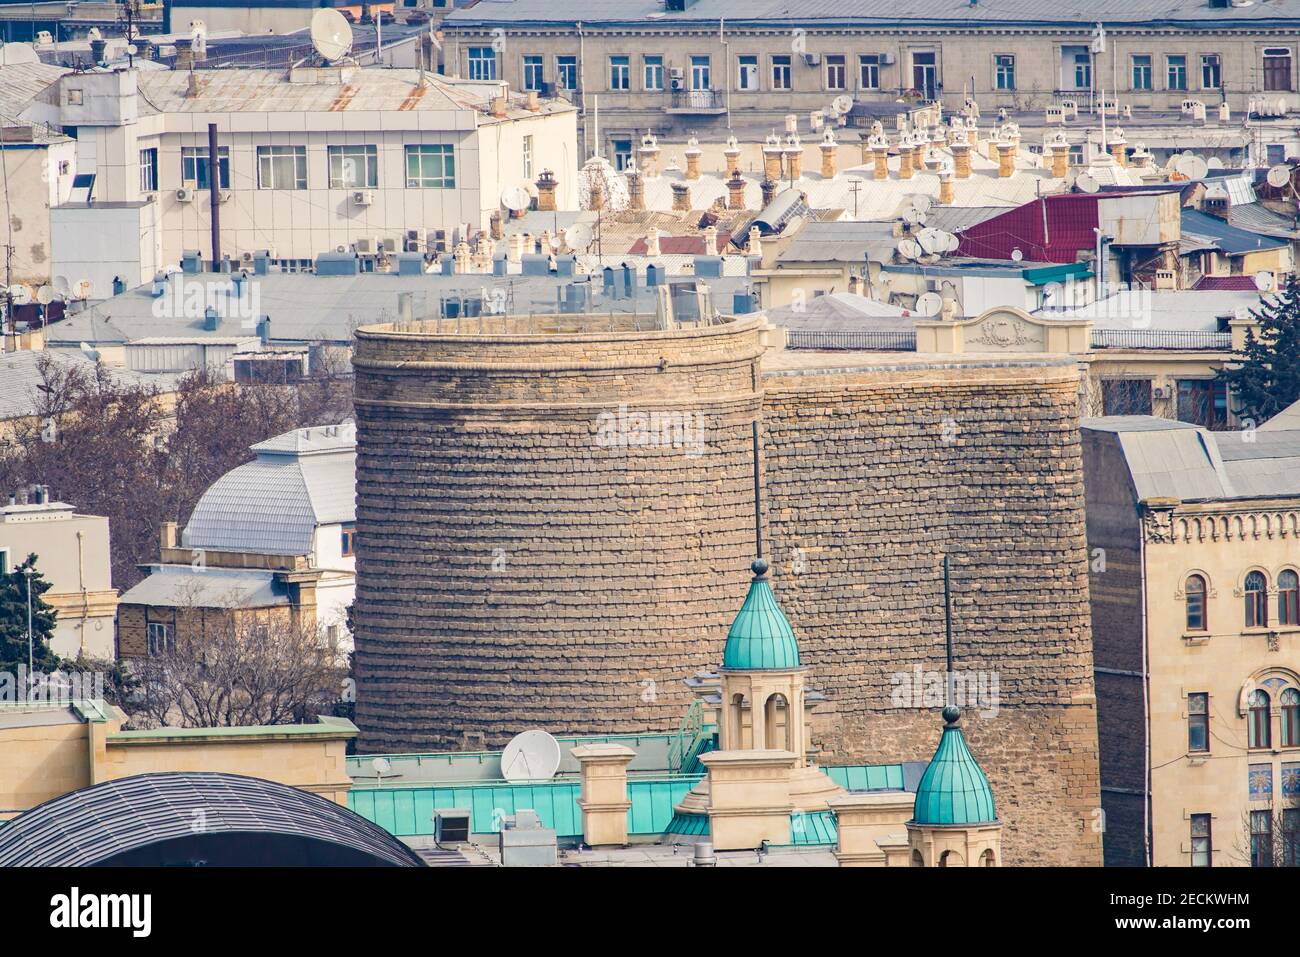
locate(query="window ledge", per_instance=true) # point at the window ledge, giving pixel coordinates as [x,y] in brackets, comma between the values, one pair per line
[1196,637]
[1197,758]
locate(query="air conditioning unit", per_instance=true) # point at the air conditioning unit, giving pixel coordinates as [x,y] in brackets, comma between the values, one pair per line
[184,195]
[436,241]
[388,245]
[224,196]
[246,257]
[450,826]
[1162,392]
[363,197]
[365,247]
[676,73]
[812,59]
[411,242]
[888,59]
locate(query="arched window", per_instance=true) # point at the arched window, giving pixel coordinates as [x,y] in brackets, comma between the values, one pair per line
[1256,600]
[987,859]
[917,859]
[1290,702]
[1260,731]
[737,717]
[776,719]
[1195,603]
[1288,598]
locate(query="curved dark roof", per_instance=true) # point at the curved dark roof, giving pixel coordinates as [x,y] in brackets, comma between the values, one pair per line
[195,817]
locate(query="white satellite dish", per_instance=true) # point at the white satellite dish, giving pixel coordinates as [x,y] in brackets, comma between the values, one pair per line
[1017,255]
[1264,280]
[20,294]
[515,199]
[1192,166]
[1279,176]
[1215,163]
[45,294]
[381,766]
[921,202]
[578,236]
[931,304]
[530,756]
[83,289]
[1086,184]
[62,286]
[933,241]
[910,249]
[331,36]
[842,104]
[954,242]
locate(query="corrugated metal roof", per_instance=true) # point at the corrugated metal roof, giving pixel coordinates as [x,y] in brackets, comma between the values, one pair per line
[841,242]
[843,312]
[20,375]
[1258,218]
[1231,239]
[170,586]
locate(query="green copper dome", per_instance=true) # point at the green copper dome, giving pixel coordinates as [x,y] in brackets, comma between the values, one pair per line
[760,638]
[953,789]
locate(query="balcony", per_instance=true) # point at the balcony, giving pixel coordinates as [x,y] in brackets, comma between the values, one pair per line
[695,103]
[1186,339]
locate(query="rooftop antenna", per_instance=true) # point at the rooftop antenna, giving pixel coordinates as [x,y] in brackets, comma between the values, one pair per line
[758,500]
[947,628]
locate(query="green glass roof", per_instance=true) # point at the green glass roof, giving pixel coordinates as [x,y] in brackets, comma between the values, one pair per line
[760,638]
[953,789]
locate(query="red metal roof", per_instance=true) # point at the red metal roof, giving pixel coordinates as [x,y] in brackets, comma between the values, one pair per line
[1057,237]
[1227,283]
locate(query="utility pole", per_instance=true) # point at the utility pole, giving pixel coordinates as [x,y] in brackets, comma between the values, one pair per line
[214,195]
[31,679]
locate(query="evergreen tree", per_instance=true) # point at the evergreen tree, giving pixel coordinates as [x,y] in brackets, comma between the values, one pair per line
[13,621]
[1264,377]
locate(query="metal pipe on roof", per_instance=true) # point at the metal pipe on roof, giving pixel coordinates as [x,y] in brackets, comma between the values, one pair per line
[214,193]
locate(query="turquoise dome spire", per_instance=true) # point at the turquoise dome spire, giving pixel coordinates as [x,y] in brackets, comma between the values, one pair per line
[760,638]
[953,789]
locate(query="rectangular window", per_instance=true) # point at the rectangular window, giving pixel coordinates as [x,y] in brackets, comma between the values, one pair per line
[1202,842]
[1277,69]
[1198,721]
[869,71]
[622,154]
[528,157]
[1203,402]
[534,71]
[1261,838]
[701,73]
[1004,72]
[430,166]
[194,167]
[349,542]
[1126,396]
[1176,71]
[925,73]
[353,167]
[781,72]
[482,63]
[620,73]
[747,72]
[1076,68]
[654,72]
[566,72]
[1142,71]
[282,167]
[149,170]
[1211,72]
[160,637]
[836,72]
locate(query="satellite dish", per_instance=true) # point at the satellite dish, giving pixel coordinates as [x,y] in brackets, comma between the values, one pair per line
[910,249]
[1215,163]
[1017,255]
[89,352]
[931,304]
[933,241]
[842,104]
[331,36]
[1264,280]
[530,756]
[1279,176]
[83,289]
[45,294]
[578,236]
[954,242]
[1086,184]
[381,766]
[62,286]
[20,294]
[1192,166]
[515,199]
[922,203]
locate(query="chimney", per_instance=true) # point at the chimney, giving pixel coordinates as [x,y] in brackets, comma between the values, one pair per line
[515,248]
[693,152]
[494,225]
[961,159]
[650,155]
[732,156]
[768,186]
[596,193]
[1006,160]
[167,535]
[918,153]
[1142,157]
[905,157]
[460,258]
[681,198]
[880,156]
[933,160]
[772,158]
[1060,150]
[192,85]
[793,157]
[635,187]
[828,148]
[710,240]
[499,107]
[1118,147]
[534,102]
[755,247]
[947,191]
[736,191]
[652,242]
[546,184]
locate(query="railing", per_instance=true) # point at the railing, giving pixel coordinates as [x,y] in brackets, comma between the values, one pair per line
[695,100]
[869,341]
[1161,339]
[687,737]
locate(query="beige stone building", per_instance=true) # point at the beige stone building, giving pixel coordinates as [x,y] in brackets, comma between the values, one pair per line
[1195,579]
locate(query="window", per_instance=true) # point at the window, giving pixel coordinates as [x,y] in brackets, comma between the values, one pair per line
[836,72]
[869,71]
[1198,721]
[4,561]
[1195,597]
[925,73]
[620,73]
[1211,72]
[160,638]
[1256,600]
[747,72]
[349,543]
[1288,598]
[194,166]
[1203,402]
[353,167]
[781,72]
[1176,71]
[1142,71]
[534,71]
[282,167]
[1289,699]
[430,166]
[622,155]
[1202,848]
[1259,729]
[528,157]
[700,73]
[1004,72]
[654,72]
[1261,838]
[566,72]
[1126,396]
[1076,68]
[149,170]
[482,63]
[1277,69]
[1290,837]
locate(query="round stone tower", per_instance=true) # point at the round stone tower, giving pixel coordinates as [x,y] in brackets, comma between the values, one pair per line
[557,513]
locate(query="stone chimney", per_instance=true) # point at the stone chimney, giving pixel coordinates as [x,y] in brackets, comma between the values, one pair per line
[515,248]
[597,193]
[772,158]
[1142,158]
[635,188]
[1059,148]
[947,192]
[793,157]
[933,160]
[693,153]
[534,102]
[460,258]
[167,537]
[650,155]
[546,185]
[755,247]
[681,198]
[1118,147]
[736,191]
[828,148]
[880,156]
[918,153]
[494,226]
[961,155]
[732,155]
[652,242]
[499,107]
[769,188]
[1006,159]
[905,157]
[710,240]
